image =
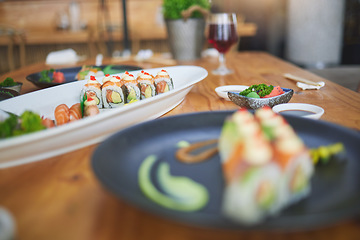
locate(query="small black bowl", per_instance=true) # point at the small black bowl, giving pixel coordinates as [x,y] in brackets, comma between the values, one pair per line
[7,93]
[16,87]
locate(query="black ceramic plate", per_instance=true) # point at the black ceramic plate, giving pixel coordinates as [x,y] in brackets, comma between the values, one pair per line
[7,93]
[335,187]
[70,74]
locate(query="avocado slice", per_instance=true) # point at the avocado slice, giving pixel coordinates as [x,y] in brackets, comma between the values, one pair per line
[131,95]
[116,98]
[148,92]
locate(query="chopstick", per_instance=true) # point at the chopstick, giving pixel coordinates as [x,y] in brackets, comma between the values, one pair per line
[299,79]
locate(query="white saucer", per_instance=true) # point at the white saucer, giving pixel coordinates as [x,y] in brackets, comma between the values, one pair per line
[300,110]
[223,90]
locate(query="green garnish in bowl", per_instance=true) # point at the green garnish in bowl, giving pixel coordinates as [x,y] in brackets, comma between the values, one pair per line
[260,89]
[44,75]
[253,95]
[8,82]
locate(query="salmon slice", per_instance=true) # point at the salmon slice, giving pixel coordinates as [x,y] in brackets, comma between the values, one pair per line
[231,167]
[109,96]
[62,114]
[75,112]
[91,110]
[143,88]
[91,94]
[47,122]
[160,87]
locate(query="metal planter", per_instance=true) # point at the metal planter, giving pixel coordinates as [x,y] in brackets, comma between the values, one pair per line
[186,38]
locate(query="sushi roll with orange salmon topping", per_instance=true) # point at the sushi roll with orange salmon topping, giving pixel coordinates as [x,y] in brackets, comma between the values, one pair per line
[112,93]
[90,107]
[252,177]
[87,71]
[266,165]
[106,78]
[163,82]
[291,154]
[92,89]
[146,85]
[130,87]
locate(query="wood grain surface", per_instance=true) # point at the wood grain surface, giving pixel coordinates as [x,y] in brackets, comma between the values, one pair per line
[60,198]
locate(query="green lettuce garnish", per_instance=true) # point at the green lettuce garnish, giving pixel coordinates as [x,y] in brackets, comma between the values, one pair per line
[28,122]
[7,126]
[8,82]
[82,104]
[261,89]
[45,75]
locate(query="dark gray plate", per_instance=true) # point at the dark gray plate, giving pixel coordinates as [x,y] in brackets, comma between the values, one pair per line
[335,187]
[70,74]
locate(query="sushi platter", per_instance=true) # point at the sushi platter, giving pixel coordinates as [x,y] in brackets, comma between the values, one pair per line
[68,137]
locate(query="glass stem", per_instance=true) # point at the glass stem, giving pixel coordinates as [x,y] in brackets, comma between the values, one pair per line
[222,60]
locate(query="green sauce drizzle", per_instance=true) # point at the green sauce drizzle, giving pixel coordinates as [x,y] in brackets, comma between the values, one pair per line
[181,193]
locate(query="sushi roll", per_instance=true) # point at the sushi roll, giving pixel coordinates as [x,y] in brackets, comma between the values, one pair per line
[112,93]
[146,85]
[266,165]
[87,71]
[130,87]
[254,196]
[163,82]
[252,177]
[291,154]
[90,107]
[106,78]
[241,129]
[92,89]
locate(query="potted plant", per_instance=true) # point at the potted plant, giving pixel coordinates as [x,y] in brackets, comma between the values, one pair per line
[185,24]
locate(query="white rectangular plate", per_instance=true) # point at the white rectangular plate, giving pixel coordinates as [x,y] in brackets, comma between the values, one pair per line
[61,139]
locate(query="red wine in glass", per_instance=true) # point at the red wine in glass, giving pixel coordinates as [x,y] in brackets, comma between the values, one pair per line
[222,36]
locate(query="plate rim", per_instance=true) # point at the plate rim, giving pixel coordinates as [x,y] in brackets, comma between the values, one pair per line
[221,91]
[318,111]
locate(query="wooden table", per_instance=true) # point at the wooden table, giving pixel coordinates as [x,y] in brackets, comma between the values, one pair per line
[60,198]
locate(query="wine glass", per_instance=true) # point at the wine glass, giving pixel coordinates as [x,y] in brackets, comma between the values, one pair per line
[222,35]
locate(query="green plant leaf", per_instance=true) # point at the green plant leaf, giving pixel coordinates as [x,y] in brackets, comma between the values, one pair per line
[172,8]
